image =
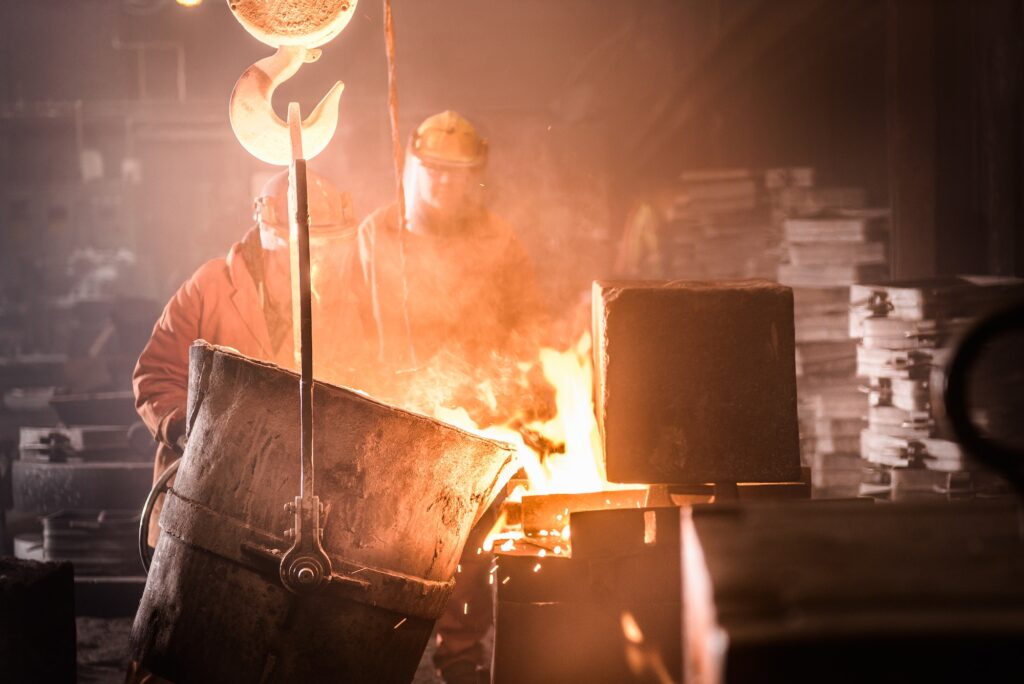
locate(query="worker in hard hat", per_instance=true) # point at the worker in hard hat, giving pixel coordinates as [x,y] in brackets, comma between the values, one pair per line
[456,281]
[243,301]
[451,292]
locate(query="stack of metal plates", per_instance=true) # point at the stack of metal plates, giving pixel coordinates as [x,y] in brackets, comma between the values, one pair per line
[96,542]
[824,253]
[906,330]
[87,468]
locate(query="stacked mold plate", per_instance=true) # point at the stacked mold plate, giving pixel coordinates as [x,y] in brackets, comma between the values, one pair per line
[826,253]
[906,330]
[86,483]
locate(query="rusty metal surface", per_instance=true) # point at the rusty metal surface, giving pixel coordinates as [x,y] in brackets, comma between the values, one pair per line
[550,512]
[203,619]
[695,381]
[307,23]
[97,542]
[203,528]
[43,487]
[387,475]
[932,590]
[95,442]
[401,492]
[560,619]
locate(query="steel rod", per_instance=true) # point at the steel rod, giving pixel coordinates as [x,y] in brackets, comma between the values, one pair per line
[306,326]
[299,204]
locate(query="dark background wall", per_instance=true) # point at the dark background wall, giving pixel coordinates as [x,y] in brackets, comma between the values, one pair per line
[584,101]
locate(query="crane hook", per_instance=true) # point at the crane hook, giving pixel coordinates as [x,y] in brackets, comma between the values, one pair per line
[259,129]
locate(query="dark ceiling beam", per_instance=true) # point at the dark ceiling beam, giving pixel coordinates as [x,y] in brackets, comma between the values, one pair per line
[841,31]
[740,48]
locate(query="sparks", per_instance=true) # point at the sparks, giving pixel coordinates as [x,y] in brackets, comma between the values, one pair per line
[575,462]
[400,623]
[630,629]
[536,568]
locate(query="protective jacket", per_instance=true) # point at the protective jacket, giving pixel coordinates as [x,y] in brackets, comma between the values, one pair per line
[221,303]
[471,294]
[472,302]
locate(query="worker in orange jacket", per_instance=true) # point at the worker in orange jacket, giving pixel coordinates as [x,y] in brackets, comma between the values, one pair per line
[451,307]
[243,301]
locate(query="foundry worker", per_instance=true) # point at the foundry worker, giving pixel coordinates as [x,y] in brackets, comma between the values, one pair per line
[243,301]
[467,309]
[455,292]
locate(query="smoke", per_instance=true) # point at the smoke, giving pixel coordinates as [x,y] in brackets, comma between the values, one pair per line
[502,390]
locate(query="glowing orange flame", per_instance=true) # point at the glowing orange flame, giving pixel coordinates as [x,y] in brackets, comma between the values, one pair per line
[576,467]
[581,467]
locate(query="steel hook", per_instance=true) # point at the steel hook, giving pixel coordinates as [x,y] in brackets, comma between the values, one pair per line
[260,130]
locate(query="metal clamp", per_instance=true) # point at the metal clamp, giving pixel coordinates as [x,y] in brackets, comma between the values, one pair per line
[877,305]
[915,452]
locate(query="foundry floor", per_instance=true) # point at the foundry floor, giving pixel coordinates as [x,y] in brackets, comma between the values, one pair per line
[103,647]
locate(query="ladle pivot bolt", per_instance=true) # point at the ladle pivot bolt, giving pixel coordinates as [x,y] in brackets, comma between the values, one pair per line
[305,574]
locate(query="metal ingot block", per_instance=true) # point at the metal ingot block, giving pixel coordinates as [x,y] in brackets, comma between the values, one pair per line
[696,381]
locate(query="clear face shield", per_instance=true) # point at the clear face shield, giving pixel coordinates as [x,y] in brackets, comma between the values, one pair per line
[437,194]
[332,230]
[444,175]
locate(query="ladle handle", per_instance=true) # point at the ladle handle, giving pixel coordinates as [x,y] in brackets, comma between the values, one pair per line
[305,566]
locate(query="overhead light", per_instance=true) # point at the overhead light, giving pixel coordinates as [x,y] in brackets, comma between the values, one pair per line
[189,3]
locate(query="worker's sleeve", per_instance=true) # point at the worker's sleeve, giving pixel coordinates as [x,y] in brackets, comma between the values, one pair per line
[160,380]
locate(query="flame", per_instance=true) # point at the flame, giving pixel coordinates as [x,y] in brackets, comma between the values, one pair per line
[580,466]
[561,451]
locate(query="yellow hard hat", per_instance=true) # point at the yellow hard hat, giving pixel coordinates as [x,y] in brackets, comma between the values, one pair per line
[329,208]
[448,139]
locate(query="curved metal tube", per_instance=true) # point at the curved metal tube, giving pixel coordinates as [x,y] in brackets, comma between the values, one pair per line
[159,487]
[259,129]
[1004,459]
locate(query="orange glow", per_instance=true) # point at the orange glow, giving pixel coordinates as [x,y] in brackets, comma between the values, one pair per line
[580,468]
[496,530]
[630,629]
[190,3]
[576,466]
